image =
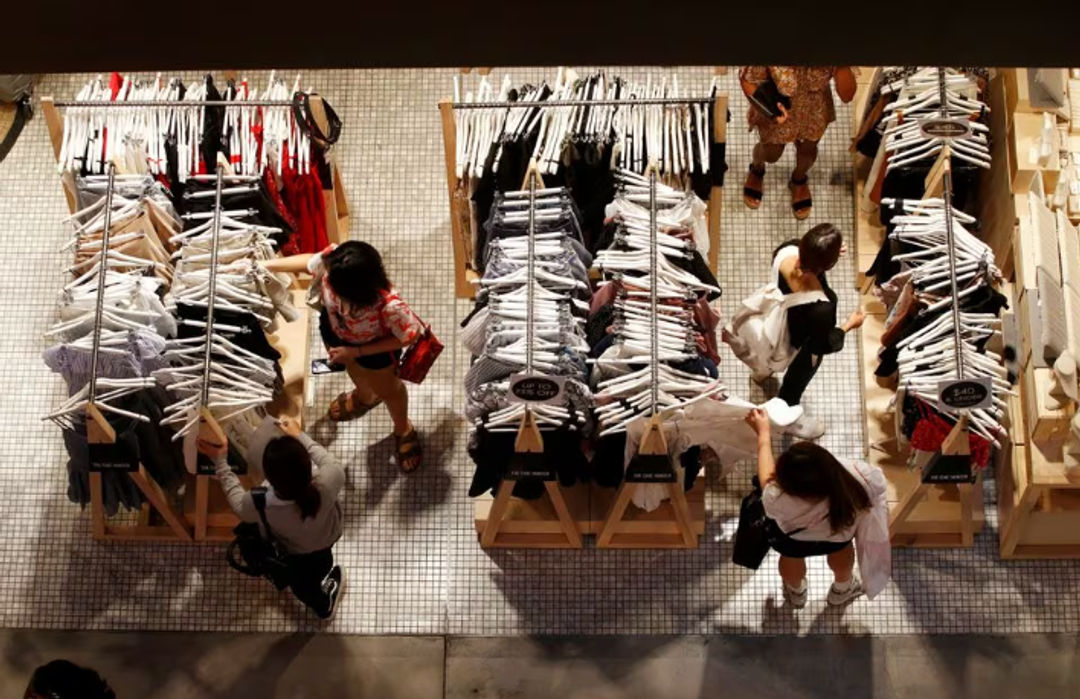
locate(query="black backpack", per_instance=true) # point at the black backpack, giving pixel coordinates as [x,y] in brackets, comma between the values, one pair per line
[256,556]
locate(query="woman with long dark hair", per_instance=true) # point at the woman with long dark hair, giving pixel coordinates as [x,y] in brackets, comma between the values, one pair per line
[302,510]
[817,505]
[365,325]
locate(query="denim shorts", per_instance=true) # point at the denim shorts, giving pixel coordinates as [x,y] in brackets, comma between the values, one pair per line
[370,361]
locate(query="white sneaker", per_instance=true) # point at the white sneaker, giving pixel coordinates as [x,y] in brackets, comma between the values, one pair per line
[806,427]
[780,413]
[842,595]
[796,597]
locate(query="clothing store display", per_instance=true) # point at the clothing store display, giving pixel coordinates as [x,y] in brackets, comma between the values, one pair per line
[903,155]
[579,147]
[917,344]
[622,342]
[130,333]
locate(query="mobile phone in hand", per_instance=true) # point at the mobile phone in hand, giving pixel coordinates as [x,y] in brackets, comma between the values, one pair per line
[324,366]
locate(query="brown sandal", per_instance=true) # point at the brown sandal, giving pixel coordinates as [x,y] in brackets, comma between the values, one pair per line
[349,407]
[800,207]
[410,454]
[751,191]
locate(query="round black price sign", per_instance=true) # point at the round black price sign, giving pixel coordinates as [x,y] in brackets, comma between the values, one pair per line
[945,128]
[535,389]
[964,394]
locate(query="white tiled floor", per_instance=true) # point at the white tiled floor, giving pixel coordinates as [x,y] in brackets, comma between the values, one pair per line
[409,547]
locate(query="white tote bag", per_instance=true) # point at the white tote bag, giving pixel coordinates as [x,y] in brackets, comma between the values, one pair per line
[758,332]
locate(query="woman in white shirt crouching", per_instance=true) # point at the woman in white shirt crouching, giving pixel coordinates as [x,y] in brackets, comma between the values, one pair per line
[815,504]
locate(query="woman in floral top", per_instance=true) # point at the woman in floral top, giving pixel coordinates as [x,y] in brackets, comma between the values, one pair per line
[803,123]
[365,325]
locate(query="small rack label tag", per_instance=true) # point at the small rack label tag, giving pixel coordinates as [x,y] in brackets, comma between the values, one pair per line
[536,388]
[945,128]
[965,394]
[111,457]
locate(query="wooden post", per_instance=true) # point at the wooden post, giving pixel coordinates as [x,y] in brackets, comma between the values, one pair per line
[98,431]
[462,287]
[209,431]
[54,123]
[716,194]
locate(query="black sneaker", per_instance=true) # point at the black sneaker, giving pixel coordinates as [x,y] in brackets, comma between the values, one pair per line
[333,587]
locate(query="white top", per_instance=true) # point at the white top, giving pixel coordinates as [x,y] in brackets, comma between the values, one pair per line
[793,513]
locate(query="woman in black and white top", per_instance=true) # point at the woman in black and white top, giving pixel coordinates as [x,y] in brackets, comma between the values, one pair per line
[812,327]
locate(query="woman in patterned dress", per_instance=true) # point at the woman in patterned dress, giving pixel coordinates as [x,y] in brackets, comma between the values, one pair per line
[803,124]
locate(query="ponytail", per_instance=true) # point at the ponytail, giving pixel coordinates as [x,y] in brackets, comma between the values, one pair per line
[810,472]
[287,465]
[308,501]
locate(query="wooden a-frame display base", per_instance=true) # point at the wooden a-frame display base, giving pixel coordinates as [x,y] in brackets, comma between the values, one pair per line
[509,522]
[157,507]
[669,526]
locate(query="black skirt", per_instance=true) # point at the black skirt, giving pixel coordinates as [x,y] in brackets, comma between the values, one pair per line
[796,548]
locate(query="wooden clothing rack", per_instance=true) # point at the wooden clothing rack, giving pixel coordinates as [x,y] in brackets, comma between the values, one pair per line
[204,515]
[500,525]
[99,431]
[617,531]
[461,233]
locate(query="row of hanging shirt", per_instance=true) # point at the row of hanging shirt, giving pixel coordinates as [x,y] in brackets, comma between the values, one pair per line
[175,143]
[902,153]
[677,136]
[132,329]
[152,330]
[234,358]
[580,147]
[159,138]
[695,406]
[496,332]
[919,339]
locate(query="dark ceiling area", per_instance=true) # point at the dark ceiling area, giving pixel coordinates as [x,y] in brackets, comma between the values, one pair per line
[102,35]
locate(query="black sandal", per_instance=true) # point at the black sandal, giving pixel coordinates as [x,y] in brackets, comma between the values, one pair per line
[751,195]
[801,207]
[410,454]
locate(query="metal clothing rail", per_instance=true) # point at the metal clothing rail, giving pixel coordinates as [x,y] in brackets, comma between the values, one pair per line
[524,104]
[215,231]
[99,302]
[172,103]
[950,239]
[654,301]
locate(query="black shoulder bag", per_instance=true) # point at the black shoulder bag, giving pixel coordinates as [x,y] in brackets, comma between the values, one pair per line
[752,535]
[256,556]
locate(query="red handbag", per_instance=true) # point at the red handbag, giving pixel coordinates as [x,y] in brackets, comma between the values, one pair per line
[418,357]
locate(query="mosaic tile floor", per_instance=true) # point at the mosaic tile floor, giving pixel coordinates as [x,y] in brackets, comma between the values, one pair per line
[409,549]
